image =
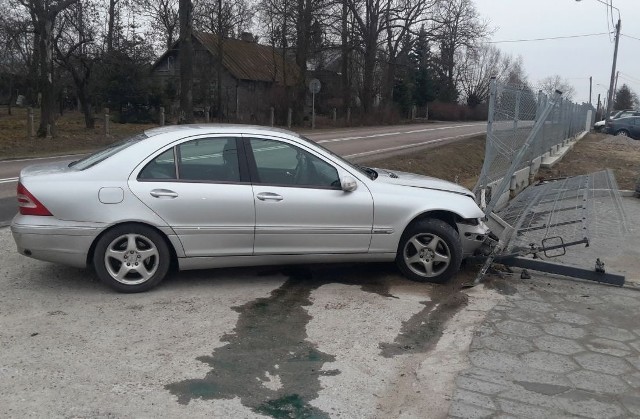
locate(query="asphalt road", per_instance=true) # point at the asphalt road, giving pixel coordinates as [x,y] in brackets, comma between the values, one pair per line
[356,144]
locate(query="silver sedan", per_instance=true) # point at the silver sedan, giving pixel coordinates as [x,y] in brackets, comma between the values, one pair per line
[232,195]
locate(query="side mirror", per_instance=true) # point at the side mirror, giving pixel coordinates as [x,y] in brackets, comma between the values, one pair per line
[348,184]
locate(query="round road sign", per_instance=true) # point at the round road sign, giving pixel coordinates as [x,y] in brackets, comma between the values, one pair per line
[314,86]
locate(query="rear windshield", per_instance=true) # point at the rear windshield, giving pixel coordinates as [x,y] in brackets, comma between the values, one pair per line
[98,156]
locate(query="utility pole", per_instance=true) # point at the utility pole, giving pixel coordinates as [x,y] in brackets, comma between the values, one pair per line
[613,70]
[615,89]
[590,88]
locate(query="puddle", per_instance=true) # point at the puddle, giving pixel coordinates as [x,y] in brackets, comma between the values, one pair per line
[267,361]
[424,329]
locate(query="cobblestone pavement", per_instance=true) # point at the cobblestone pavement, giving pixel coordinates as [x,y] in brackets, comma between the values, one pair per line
[558,347]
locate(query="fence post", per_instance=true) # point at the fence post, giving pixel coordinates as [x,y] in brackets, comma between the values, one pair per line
[289,117]
[30,124]
[272,116]
[516,115]
[481,185]
[414,112]
[335,116]
[106,121]
[162,116]
[426,114]
[207,114]
[349,116]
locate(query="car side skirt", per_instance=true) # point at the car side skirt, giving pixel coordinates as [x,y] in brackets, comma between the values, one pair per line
[265,260]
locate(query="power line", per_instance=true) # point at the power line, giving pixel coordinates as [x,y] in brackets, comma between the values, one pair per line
[549,39]
[632,37]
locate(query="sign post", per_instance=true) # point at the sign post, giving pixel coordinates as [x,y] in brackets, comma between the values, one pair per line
[314,88]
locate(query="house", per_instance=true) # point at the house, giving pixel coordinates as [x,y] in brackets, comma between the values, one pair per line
[255,77]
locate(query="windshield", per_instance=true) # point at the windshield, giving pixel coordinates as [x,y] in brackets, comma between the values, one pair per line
[98,156]
[370,173]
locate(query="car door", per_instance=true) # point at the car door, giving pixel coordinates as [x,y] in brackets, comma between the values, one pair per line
[201,188]
[635,128]
[300,205]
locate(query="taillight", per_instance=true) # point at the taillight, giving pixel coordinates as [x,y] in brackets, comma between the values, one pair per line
[28,203]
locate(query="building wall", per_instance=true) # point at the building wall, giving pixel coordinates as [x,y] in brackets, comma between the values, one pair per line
[244,101]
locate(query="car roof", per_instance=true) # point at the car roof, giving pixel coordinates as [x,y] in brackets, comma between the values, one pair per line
[219,128]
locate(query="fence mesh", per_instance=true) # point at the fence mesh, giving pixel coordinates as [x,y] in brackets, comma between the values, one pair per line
[520,118]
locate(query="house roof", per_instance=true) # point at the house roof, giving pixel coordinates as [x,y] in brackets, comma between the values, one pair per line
[248,60]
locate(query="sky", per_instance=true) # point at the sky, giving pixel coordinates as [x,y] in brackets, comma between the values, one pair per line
[573,59]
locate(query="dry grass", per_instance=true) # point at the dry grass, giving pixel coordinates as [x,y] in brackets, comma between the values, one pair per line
[460,161]
[72,136]
[597,152]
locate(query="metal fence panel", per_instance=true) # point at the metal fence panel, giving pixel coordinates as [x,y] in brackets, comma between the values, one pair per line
[518,119]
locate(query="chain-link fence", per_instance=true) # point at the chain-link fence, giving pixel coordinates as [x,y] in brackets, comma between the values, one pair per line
[524,128]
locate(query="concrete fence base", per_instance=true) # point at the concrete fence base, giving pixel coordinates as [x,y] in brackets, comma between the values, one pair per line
[526,176]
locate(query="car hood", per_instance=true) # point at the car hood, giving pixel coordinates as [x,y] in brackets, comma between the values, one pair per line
[46,169]
[420,181]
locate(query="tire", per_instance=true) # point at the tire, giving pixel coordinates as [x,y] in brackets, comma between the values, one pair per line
[131,258]
[429,251]
[622,133]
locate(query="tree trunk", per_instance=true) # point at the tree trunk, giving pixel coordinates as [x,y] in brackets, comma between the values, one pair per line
[303,27]
[33,76]
[219,63]
[346,85]
[369,69]
[10,93]
[391,78]
[111,24]
[186,62]
[81,82]
[47,117]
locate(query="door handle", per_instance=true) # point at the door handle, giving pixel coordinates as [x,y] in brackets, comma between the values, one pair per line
[163,193]
[269,196]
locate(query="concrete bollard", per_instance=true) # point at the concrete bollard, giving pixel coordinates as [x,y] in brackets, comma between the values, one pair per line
[289,117]
[106,121]
[414,112]
[348,116]
[207,115]
[30,123]
[272,116]
[335,115]
[162,116]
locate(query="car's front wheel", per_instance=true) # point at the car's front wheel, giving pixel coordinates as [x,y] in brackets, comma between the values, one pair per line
[429,251]
[131,258]
[622,133]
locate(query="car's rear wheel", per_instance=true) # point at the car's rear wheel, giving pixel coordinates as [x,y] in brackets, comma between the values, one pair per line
[429,251]
[622,133]
[131,258]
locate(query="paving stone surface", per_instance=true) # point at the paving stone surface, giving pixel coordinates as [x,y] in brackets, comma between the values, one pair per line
[558,347]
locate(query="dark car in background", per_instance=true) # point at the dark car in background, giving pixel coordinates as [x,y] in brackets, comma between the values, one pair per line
[628,127]
[600,125]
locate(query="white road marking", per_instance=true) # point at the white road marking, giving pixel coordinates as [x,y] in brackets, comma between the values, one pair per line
[386,134]
[42,158]
[402,147]
[9,180]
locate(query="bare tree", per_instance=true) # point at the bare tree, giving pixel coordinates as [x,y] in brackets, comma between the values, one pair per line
[480,64]
[164,19]
[369,23]
[44,14]
[16,52]
[186,61]
[460,28]
[74,51]
[401,23]
[550,84]
[226,20]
